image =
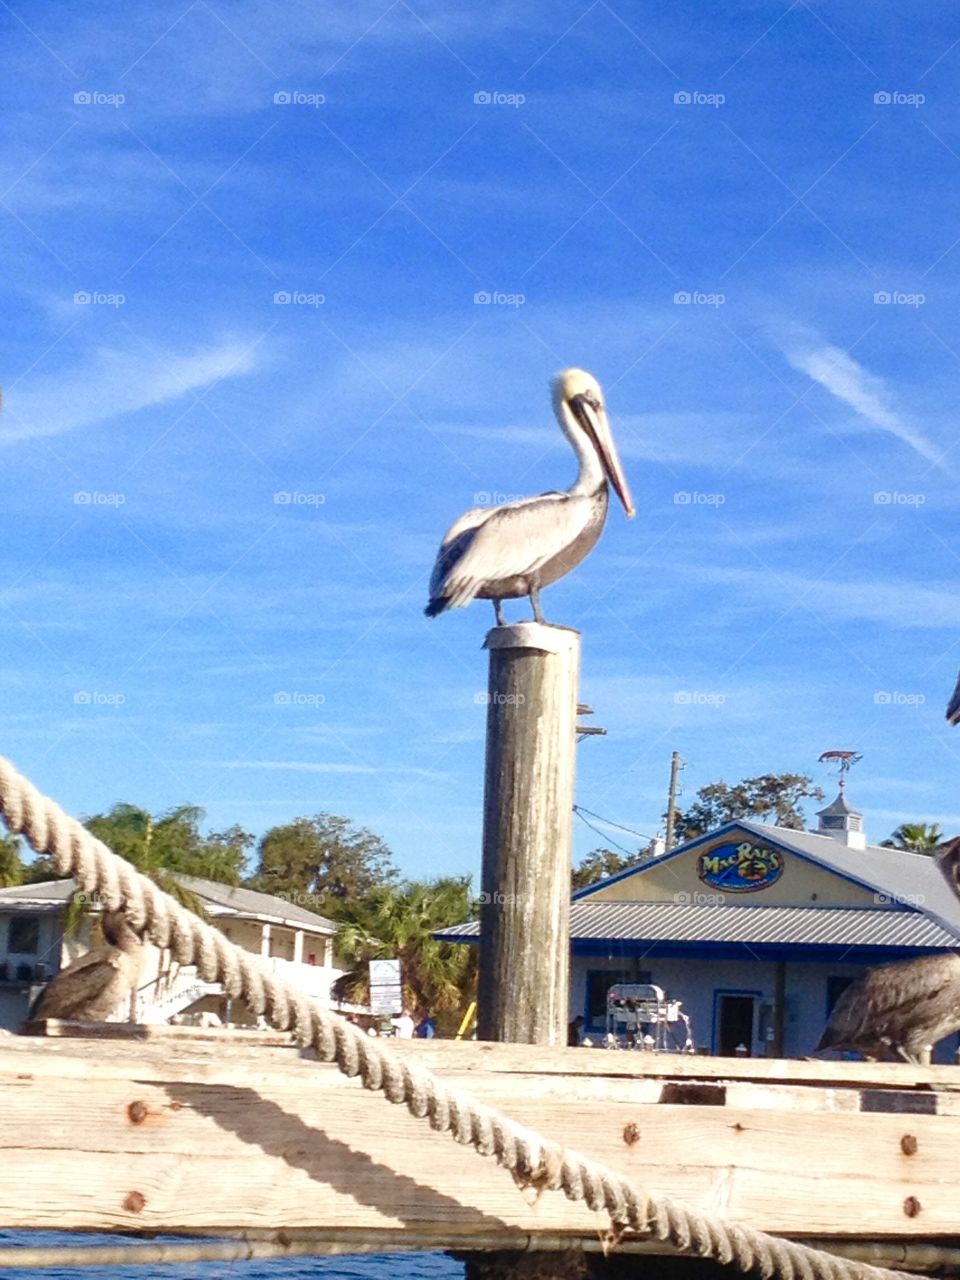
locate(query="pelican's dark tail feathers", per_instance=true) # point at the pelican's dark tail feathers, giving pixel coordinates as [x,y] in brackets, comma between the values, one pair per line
[436,607]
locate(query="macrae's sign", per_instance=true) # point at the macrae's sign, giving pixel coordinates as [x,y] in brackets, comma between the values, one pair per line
[740,868]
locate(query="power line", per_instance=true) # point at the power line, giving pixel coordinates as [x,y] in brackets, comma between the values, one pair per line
[579,808]
[603,835]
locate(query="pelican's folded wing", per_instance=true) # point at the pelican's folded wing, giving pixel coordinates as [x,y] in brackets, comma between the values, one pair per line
[84,983]
[455,542]
[953,706]
[515,540]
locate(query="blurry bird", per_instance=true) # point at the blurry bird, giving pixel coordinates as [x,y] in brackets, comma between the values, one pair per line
[91,988]
[948,861]
[502,553]
[953,706]
[897,1011]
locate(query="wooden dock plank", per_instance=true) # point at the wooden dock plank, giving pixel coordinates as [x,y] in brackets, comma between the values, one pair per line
[198,1136]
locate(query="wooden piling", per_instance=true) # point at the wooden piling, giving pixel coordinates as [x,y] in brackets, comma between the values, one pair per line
[527,819]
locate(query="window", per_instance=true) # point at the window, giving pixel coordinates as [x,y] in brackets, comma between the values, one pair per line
[23,936]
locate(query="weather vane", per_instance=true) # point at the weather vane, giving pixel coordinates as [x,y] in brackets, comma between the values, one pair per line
[844,760]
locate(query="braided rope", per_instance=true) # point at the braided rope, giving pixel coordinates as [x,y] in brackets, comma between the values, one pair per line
[533,1160]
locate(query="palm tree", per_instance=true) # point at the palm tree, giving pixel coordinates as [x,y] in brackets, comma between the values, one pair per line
[399,922]
[157,848]
[11,864]
[917,837]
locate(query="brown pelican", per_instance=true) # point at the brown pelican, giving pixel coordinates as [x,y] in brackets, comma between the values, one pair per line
[91,988]
[502,553]
[948,860]
[953,706]
[898,1011]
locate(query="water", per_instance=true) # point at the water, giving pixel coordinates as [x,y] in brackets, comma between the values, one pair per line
[379,1266]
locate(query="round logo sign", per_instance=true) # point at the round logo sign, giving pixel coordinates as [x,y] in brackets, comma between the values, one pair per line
[740,868]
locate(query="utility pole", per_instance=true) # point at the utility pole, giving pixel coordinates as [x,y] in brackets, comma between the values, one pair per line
[676,764]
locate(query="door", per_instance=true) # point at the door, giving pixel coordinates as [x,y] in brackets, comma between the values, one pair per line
[734,1022]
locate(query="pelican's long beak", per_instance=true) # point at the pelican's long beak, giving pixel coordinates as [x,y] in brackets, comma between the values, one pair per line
[594,422]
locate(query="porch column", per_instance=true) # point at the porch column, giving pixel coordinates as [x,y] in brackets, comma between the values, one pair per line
[298,947]
[265,940]
[779,1001]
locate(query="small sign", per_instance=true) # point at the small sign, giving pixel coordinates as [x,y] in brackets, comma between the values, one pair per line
[386,991]
[740,868]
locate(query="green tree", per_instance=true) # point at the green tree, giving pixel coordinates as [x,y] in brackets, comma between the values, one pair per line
[602,863]
[327,857]
[918,837]
[398,922]
[772,797]
[12,870]
[156,847]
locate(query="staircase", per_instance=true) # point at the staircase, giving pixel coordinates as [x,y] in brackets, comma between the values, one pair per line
[159,1000]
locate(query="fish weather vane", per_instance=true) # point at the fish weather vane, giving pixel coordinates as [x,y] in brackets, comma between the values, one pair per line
[505,552]
[843,760]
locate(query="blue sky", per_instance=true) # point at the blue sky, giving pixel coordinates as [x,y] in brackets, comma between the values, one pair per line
[170,632]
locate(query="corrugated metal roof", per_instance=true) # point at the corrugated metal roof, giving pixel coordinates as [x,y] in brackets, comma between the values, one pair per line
[712,923]
[231,900]
[250,902]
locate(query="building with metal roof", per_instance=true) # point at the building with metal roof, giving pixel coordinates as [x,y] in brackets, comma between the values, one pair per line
[291,939]
[756,929]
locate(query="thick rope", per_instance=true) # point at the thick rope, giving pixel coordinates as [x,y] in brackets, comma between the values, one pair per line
[534,1161]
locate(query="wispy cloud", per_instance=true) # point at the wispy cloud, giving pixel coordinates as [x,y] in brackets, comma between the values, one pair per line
[115,382]
[865,393]
[319,766]
[895,602]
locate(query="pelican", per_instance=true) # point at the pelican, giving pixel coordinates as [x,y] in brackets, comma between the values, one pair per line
[502,553]
[953,706]
[898,1011]
[948,861]
[91,988]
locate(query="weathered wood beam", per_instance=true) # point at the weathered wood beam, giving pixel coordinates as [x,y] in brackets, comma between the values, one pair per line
[209,1137]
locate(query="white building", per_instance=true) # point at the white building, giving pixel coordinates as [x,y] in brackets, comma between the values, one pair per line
[297,944]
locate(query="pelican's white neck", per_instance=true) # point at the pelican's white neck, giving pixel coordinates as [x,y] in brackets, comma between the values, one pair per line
[590,474]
